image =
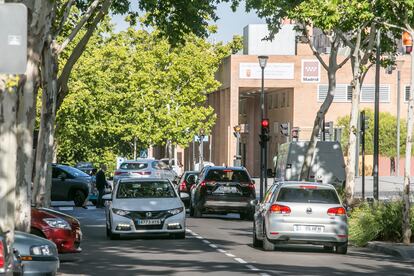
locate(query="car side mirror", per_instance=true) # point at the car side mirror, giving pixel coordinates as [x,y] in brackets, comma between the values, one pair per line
[184,196]
[107,197]
[254,202]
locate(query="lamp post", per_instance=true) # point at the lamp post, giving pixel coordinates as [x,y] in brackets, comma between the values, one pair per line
[376,115]
[399,66]
[263,142]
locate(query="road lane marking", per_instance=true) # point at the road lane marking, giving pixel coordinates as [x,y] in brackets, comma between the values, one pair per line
[213,245]
[206,241]
[230,255]
[252,268]
[240,260]
[66,208]
[221,250]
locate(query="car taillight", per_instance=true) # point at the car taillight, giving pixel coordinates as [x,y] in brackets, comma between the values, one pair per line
[2,261]
[203,184]
[279,209]
[308,187]
[337,211]
[183,187]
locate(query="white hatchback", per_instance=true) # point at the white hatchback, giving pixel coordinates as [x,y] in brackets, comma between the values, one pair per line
[144,206]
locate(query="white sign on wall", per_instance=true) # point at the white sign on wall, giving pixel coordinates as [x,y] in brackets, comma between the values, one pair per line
[273,71]
[311,70]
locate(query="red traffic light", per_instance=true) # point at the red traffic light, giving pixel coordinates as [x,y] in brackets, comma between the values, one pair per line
[265,123]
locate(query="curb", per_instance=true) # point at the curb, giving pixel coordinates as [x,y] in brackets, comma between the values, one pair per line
[401,251]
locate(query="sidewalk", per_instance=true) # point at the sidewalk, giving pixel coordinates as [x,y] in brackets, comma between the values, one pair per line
[396,249]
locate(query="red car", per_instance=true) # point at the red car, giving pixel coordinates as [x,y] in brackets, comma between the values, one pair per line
[62,229]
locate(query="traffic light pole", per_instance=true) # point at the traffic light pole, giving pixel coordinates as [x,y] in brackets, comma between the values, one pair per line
[376,116]
[362,119]
[262,140]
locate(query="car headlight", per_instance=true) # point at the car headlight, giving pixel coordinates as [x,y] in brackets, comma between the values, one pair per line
[41,250]
[175,211]
[120,212]
[57,223]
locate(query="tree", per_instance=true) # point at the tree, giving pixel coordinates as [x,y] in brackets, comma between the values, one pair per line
[173,18]
[398,15]
[138,75]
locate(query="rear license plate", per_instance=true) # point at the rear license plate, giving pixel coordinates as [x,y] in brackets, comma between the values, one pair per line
[226,190]
[308,228]
[149,222]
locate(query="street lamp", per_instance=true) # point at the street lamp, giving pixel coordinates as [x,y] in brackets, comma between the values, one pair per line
[376,114]
[399,63]
[263,140]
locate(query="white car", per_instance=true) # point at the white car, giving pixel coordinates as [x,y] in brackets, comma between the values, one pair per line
[144,206]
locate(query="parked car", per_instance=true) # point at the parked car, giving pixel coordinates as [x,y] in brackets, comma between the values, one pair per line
[144,168]
[174,164]
[144,206]
[223,190]
[9,265]
[86,167]
[62,229]
[70,184]
[39,256]
[188,179]
[327,165]
[301,212]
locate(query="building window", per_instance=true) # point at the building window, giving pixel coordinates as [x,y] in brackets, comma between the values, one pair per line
[343,93]
[407,93]
[283,103]
[276,100]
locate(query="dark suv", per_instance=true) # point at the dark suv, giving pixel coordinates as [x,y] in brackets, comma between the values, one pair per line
[223,190]
[69,183]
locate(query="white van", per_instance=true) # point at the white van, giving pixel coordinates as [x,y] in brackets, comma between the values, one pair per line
[327,165]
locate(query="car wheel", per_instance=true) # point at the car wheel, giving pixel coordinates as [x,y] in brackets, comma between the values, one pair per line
[256,241]
[328,248]
[78,198]
[179,235]
[267,245]
[342,248]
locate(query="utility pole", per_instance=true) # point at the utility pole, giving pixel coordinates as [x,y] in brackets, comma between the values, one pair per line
[376,115]
[397,165]
[362,130]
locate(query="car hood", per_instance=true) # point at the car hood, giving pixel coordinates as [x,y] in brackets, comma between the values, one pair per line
[49,213]
[147,204]
[24,241]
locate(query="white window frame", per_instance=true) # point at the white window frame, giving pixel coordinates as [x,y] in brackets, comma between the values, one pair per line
[373,100]
[404,91]
[342,85]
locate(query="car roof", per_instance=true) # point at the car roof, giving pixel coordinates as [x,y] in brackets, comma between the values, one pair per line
[301,183]
[142,179]
[140,160]
[226,168]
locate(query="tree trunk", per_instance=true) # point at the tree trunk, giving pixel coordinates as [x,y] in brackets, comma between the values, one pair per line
[44,152]
[406,227]
[304,175]
[353,133]
[38,26]
[8,149]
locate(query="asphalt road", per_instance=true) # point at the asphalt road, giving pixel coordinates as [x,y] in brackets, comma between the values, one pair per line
[214,245]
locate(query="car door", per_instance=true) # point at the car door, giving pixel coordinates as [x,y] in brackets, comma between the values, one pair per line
[262,208]
[58,184]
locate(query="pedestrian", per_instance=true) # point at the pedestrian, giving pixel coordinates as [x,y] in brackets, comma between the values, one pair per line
[100,185]
[93,187]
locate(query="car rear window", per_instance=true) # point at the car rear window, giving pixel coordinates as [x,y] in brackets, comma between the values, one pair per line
[301,195]
[147,189]
[73,171]
[133,166]
[228,175]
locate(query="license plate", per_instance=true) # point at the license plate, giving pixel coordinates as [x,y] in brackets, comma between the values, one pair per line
[308,228]
[227,190]
[149,222]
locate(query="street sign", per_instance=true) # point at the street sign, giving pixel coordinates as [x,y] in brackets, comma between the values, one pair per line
[197,138]
[13,38]
[143,153]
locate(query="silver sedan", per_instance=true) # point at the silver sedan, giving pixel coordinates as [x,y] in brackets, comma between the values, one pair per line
[301,212]
[144,206]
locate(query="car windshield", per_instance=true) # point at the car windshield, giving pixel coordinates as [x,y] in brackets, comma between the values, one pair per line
[147,189]
[74,171]
[300,195]
[227,175]
[133,166]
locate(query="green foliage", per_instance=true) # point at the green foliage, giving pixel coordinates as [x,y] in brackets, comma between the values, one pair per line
[387,133]
[382,221]
[136,85]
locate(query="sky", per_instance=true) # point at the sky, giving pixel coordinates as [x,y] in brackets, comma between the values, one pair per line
[228,25]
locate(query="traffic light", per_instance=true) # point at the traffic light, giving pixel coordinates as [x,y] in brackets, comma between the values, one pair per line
[264,137]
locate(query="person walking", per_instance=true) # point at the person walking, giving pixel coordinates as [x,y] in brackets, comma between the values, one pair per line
[93,185]
[101,184]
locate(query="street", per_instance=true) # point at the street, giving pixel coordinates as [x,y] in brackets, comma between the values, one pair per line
[214,245]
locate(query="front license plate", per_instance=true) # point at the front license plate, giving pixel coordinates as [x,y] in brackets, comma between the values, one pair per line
[149,222]
[308,228]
